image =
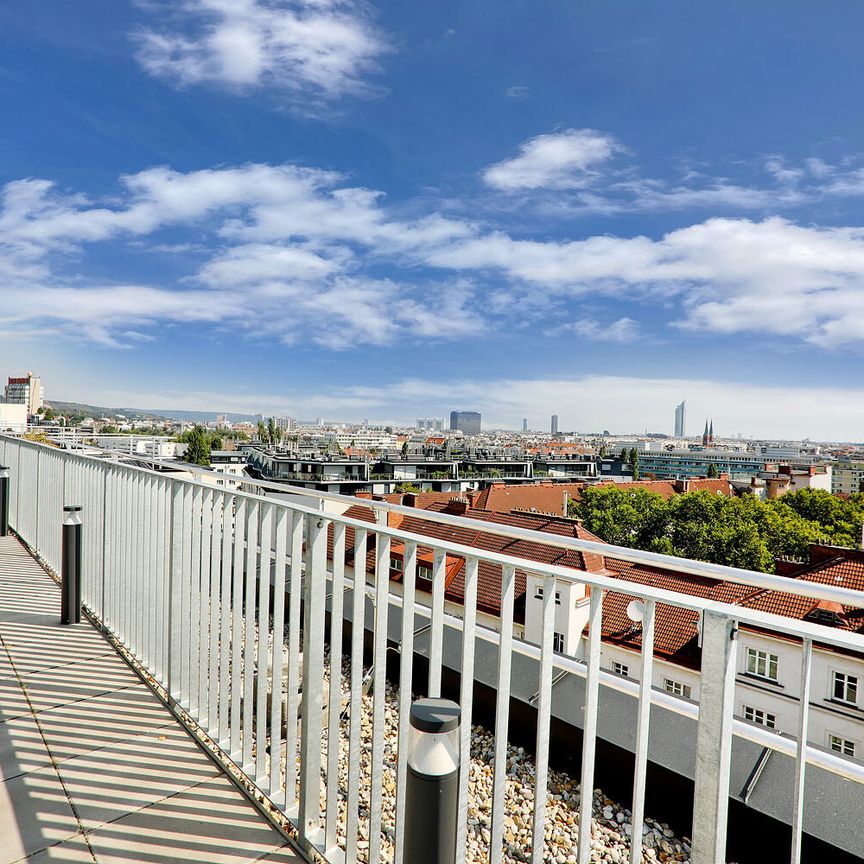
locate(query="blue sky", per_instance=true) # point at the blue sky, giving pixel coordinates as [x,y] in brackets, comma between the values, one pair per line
[395,209]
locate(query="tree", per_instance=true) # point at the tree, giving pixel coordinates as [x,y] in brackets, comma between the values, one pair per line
[634,455]
[623,456]
[713,473]
[408,487]
[262,432]
[197,447]
[404,449]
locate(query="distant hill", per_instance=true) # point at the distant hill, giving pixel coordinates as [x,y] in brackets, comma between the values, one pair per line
[147,414]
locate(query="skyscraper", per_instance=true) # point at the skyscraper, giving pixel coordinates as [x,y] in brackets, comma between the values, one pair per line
[467,421]
[524,424]
[681,419]
[554,424]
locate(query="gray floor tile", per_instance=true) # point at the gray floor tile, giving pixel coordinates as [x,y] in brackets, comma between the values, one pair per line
[34,813]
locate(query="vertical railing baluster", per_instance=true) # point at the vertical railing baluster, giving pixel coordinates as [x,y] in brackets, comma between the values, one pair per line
[283,521]
[406,669]
[213,615]
[502,712]
[544,713]
[643,723]
[589,724]
[334,702]
[264,558]
[466,701]
[436,635]
[714,738]
[314,601]
[237,628]
[229,534]
[252,516]
[358,631]
[379,694]
[801,754]
[293,701]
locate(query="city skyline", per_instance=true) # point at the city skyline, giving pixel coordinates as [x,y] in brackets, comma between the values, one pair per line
[233,230]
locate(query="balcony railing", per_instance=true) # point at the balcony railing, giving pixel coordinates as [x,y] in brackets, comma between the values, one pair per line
[171,570]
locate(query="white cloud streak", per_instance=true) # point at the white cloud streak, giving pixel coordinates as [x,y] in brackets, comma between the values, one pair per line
[322,49]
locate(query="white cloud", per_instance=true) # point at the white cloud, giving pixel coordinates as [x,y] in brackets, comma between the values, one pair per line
[322,49]
[299,254]
[590,329]
[561,160]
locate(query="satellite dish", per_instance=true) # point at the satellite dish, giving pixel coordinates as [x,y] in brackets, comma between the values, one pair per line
[636,611]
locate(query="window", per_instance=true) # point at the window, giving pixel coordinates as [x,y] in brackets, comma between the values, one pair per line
[842,745]
[621,669]
[762,663]
[424,571]
[538,592]
[558,642]
[763,718]
[395,563]
[676,688]
[557,598]
[845,688]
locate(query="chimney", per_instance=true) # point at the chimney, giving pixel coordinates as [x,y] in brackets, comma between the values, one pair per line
[457,506]
[682,484]
[409,499]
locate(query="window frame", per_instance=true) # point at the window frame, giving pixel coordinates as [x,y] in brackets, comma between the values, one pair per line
[677,688]
[758,658]
[844,746]
[620,669]
[558,642]
[848,682]
[751,714]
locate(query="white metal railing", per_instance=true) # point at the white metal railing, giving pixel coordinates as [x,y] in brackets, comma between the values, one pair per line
[171,568]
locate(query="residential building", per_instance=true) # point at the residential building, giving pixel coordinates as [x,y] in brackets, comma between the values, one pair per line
[13,418]
[26,390]
[847,477]
[468,422]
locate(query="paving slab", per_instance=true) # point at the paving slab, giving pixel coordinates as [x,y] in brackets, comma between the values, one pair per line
[93,767]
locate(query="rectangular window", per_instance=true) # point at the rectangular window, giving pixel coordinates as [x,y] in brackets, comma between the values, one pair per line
[763,718]
[842,745]
[558,642]
[621,669]
[676,688]
[762,663]
[424,571]
[557,598]
[538,592]
[395,563]
[846,688]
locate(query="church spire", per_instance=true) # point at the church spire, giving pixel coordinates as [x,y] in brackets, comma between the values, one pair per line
[711,432]
[705,434]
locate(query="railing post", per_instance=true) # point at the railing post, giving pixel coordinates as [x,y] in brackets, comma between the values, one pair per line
[174,591]
[70,589]
[432,787]
[4,500]
[314,599]
[714,738]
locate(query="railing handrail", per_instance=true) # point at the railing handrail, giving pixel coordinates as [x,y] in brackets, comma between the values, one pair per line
[702,569]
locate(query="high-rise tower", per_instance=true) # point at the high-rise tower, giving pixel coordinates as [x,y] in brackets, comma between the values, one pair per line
[681,419]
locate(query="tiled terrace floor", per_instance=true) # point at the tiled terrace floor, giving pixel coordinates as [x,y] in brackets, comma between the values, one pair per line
[93,768]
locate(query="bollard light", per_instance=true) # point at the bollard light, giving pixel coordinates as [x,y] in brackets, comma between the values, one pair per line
[4,501]
[432,788]
[70,572]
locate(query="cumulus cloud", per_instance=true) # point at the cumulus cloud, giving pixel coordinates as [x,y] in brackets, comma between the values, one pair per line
[298,254]
[323,49]
[562,160]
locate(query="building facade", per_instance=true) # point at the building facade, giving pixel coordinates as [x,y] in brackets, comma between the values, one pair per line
[681,420]
[26,390]
[468,422]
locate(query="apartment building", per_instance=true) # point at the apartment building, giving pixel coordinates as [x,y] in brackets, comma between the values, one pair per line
[26,390]
[847,477]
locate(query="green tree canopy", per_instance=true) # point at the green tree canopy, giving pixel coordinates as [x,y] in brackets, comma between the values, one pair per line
[740,532]
[198,446]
